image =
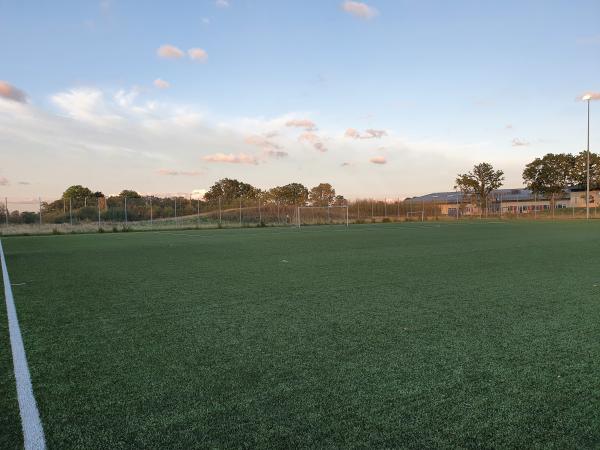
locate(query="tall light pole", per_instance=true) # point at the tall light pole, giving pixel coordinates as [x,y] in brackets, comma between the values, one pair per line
[587,98]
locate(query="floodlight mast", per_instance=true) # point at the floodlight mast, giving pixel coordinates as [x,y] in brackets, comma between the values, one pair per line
[587,98]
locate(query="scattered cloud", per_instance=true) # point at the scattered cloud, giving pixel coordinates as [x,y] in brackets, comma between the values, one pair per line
[591,95]
[352,133]
[307,124]
[262,142]
[378,160]
[359,9]
[516,142]
[161,84]
[175,173]
[508,126]
[3,181]
[239,158]
[277,154]
[24,183]
[222,3]
[198,54]
[313,140]
[88,105]
[369,134]
[374,134]
[9,92]
[169,52]
[345,164]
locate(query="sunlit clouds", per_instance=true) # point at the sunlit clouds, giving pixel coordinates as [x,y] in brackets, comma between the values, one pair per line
[368,134]
[239,158]
[198,54]
[161,84]
[359,9]
[378,160]
[307,124]
[9,92]
[169,52]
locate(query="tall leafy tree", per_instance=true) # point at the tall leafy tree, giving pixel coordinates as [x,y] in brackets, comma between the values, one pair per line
[580,170]
[551,174]
[480,182]
[228,189]
[290,194]
[77,192]
[129,194]
[322,195]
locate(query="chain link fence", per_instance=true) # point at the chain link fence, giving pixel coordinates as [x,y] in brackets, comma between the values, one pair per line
[113,214]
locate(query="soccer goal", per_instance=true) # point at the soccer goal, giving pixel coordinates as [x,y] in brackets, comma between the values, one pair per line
[417,214]
[321,215]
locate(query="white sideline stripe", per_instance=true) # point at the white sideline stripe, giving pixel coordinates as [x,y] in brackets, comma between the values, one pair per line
[33,433]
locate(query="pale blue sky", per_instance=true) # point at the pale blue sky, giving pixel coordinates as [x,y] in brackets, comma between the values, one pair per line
[450,83]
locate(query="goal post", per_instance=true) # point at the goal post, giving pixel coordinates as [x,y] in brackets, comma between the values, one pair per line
[419,214]
[320,215]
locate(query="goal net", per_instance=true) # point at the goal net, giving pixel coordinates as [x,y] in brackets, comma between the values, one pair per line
[418,215]
[322,215]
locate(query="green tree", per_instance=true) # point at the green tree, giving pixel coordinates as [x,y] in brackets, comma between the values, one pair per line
[322,195]
[551,174]
[290,194]
[480,182]
[77,192]
[129,194]
[228,189]
[579,177]
[340,201]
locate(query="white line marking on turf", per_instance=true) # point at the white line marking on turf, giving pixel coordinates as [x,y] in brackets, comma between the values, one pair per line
[33,433]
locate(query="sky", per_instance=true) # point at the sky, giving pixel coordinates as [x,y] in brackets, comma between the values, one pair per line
[383,98]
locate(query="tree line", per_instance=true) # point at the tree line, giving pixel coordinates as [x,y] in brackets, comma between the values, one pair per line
[548,176]
[81,203]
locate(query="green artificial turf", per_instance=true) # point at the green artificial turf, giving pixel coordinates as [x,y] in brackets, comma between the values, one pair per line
[401,335]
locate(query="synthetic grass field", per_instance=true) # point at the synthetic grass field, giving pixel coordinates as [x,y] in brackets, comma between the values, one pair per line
[402,335]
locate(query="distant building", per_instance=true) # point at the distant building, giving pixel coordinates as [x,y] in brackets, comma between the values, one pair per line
[507,201]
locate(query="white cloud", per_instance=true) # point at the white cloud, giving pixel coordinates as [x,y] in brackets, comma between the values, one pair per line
[359,9]
[96,128]
[239,158]
[87,105]
[222,3]
[9,92]
[171,172]
[169,52]
[378,160]
[307,124]
[313,140]
[369,134]
[352,133]
[262,142]
[198,54]
[161,84]
[516,142]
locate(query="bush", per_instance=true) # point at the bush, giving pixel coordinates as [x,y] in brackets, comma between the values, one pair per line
[386,220]
[100,230]
[56,231]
